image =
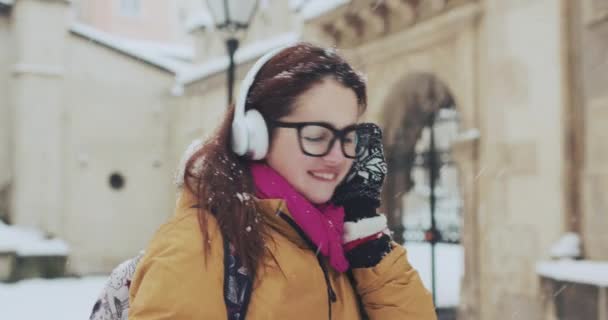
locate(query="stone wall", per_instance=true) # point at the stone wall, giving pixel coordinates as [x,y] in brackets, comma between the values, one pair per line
[440,42]
[117,155]
[40,33]
[520,183]
[593,63]
[5,111]
[506,73]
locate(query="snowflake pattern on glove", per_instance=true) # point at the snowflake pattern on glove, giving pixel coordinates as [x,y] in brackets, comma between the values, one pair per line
[365,178]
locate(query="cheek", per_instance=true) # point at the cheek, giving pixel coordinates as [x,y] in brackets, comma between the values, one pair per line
[285,157]
[282,149]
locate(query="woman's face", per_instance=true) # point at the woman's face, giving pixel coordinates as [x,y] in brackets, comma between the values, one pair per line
[315,177]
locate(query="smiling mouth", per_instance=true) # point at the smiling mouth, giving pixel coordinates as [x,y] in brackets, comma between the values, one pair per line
[324,176]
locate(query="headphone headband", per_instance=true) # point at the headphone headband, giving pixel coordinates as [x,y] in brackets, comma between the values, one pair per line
[250,77]
[249,130]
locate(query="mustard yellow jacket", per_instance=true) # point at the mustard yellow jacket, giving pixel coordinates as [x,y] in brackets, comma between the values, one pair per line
[173,281]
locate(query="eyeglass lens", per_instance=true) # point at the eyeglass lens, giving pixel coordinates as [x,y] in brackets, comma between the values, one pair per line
[317,140]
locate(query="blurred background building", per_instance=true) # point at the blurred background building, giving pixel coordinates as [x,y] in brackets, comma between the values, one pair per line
[99,98]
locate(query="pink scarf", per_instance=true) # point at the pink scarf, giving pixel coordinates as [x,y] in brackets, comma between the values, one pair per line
[323,224]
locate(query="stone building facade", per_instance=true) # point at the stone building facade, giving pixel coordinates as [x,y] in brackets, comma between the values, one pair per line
[525,77]
[92,124]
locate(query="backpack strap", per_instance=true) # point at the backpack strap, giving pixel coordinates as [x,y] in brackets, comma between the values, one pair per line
[237,281]
[113,302]
[237,284]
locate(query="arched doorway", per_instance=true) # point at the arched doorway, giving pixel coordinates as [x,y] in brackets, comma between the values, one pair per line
[413,105]
[422,195]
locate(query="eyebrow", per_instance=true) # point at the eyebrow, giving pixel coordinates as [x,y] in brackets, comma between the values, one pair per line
[296,124]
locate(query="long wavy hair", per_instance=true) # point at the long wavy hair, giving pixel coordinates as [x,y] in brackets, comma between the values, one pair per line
[222,181]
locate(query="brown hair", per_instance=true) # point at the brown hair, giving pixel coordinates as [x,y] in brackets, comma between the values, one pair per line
[222,181]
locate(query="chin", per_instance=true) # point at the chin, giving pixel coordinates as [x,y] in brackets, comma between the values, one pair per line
[319,199]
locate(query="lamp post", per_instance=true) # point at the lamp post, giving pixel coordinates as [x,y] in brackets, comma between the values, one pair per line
[232,17]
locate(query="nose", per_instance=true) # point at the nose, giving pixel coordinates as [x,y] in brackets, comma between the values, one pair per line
[335,155]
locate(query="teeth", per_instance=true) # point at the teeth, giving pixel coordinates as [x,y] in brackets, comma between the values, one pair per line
[326,176]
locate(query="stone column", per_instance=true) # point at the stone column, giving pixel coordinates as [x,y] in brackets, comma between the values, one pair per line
[40,31]
[6,168]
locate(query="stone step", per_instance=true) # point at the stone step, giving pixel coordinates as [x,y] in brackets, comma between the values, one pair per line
[14,268]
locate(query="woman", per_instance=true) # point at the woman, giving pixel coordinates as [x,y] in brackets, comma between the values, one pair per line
[273,182]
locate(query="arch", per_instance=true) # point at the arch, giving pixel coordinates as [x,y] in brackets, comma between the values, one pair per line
[413,103]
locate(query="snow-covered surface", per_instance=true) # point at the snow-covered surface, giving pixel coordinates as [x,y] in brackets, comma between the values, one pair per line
[468,135]
[568,246]
[176,59]
[177,51]
[296,4]
[578,271]
[155,55]
[445,114]
[244,54]
[29,242]
[449,269]
[60,299]
[199,19]
[72,299]
[314,8]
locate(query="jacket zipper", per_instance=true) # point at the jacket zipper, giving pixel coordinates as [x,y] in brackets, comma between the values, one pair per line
[331,294]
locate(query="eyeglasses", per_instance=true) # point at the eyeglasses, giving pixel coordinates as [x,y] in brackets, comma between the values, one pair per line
[317,138]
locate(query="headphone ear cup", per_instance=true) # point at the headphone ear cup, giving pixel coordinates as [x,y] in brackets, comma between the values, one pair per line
[239,137]
[257,135]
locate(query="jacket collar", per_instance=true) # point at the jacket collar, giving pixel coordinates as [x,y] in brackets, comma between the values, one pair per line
[276,216]
[272,211]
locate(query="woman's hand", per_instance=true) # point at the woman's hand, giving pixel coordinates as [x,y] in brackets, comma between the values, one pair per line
[363,183]
[366,236]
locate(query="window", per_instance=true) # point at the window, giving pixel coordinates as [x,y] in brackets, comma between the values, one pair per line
[117,181]
[130,7]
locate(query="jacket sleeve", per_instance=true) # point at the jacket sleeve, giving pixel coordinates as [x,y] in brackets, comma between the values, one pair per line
[174,280]
[393,289]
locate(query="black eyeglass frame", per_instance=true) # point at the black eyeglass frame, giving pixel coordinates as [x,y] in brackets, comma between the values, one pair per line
[338,134]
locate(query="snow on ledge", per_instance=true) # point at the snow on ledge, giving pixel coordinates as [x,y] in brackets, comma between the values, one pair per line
[245,54]
[468,135]
[29,242]
[568,246]
[185,73]
[315,8]
[200,19]
[131,48]
[589,272]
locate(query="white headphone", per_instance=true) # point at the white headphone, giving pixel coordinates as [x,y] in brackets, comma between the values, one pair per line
[249,131]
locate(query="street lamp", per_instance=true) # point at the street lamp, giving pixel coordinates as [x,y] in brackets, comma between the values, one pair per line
[232,17]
